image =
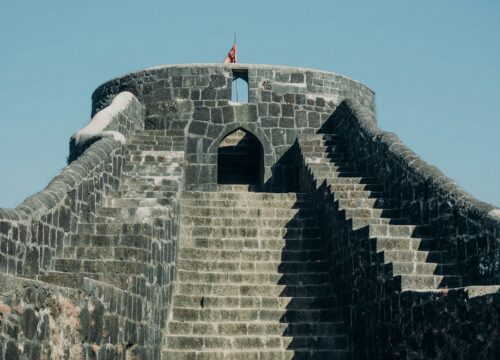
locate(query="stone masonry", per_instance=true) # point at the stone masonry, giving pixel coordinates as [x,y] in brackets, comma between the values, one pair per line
[188,226]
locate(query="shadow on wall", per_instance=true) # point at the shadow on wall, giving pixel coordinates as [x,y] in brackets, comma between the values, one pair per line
[285,172]
[313,326]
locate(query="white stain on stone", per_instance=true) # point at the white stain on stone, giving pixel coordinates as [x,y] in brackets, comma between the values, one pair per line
[97,125]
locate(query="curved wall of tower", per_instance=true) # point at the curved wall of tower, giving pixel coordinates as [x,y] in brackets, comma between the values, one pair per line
[195,100]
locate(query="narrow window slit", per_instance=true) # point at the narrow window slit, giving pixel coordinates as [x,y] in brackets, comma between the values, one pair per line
[239,87]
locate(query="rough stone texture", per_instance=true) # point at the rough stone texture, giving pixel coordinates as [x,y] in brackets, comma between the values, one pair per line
[462,224]
[283,102]
[43,321]
[135,251]
[399,285]
[251,280]
[33,233]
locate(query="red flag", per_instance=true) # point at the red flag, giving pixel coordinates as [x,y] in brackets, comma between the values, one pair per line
[231,56]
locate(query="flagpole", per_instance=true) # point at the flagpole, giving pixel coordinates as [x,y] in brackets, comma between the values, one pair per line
[237,96]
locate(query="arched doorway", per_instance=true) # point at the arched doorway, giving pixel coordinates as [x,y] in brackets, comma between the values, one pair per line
[240,159]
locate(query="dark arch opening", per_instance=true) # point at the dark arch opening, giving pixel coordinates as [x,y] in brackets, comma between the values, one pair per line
[240,159]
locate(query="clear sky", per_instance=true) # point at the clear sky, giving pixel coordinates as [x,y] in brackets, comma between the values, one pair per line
[434,65]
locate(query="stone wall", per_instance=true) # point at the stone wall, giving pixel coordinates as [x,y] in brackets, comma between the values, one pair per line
[468,228]
[113,319]
[383,321]
[43,321]
[32,233]
[195,99]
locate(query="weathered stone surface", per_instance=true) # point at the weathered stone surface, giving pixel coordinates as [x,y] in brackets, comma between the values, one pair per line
[357,249]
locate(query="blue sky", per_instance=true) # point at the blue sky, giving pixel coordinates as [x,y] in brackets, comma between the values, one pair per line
[434,65]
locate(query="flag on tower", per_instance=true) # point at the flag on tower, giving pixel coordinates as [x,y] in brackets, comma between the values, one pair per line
[231,55]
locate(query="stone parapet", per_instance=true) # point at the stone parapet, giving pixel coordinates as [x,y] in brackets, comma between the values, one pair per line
[33,232]
[465,226]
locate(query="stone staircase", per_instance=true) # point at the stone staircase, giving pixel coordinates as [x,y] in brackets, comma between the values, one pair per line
[409,250]
[123,244]
[253,280]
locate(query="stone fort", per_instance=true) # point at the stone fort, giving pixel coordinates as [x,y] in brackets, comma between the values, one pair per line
[190,226]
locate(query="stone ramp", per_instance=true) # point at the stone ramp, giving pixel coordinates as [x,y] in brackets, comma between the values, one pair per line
[253,281]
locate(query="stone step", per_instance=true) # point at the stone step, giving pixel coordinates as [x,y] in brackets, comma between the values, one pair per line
[121,240]
[313,149]
[252,254]
[371,213]
[146,194]
[163,187]
[422,282]
[358,222]
[135,214]
[99,266]
[337,161]
[362,195]
[434,256]
[338,173]
[265,328]
[332,138]
[252,203]
[299,243]
[365,203]
[423,268]
[334,187]
[352,180]
[334,170]
[312,137]
[255,315]
[395,243]
[309,278]
[105,252]
[254,302]
[394,231]
[265,213]
[322,156]
[128,202]
[251,232]
[116,229]
[233,195]
[257,354]
[246,222]
[243,188]
[272,267]
[252,290]
[256,343]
